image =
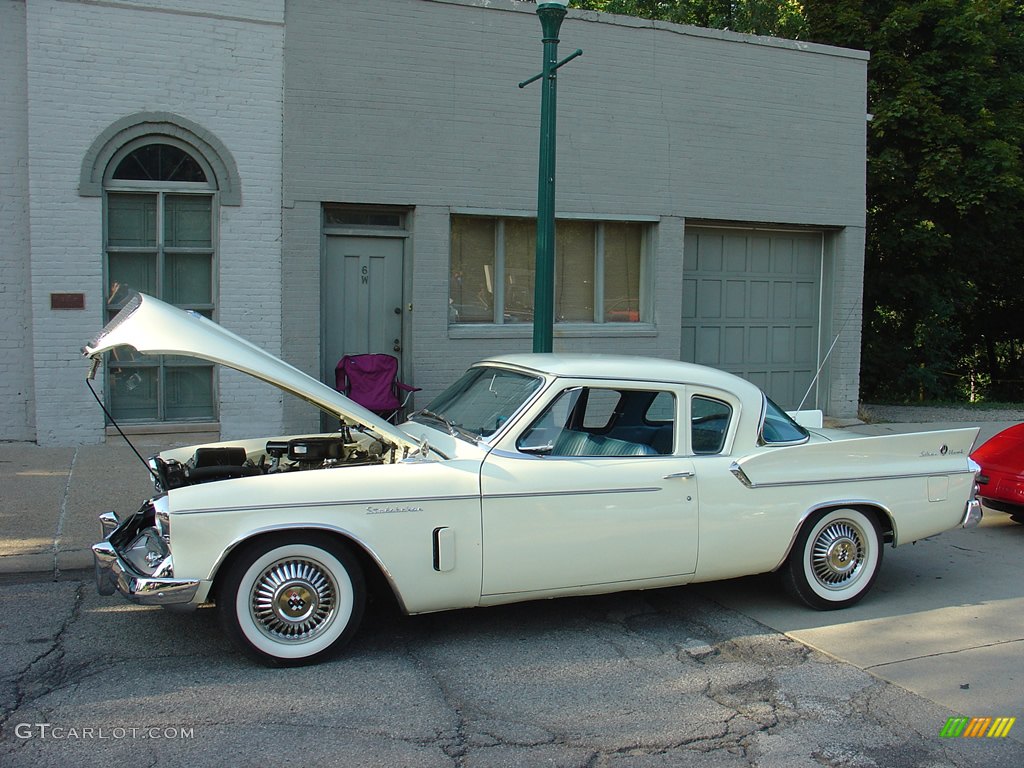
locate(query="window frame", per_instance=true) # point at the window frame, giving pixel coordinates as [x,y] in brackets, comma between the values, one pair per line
[161,190]
[645,293]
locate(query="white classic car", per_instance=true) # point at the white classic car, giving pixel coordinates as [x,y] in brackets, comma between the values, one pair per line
[532,476]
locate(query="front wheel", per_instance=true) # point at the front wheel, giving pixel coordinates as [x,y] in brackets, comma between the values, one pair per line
[292,599]
[834,559]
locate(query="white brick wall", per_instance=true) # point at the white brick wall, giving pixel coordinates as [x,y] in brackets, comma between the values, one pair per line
[91,64]
[17,412]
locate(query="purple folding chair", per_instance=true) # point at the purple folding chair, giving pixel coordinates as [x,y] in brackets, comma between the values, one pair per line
[372,381]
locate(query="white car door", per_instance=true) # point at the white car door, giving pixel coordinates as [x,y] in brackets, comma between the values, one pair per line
[594,492]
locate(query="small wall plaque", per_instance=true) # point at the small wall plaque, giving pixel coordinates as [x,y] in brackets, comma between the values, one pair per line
[67,301]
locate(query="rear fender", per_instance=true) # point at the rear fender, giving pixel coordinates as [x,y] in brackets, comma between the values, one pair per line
[882,515]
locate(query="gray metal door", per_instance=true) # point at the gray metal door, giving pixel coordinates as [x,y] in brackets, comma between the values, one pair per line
[361,298]
[751,306]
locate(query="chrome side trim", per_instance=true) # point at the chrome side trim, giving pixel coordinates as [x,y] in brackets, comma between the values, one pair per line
[335,503]
[505,454]
[742,477]
[581,492]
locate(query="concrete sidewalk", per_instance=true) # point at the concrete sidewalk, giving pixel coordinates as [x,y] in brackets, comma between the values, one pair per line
[50,497]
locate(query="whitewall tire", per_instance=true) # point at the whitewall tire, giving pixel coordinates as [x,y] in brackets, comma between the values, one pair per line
[292,599]
[835,559]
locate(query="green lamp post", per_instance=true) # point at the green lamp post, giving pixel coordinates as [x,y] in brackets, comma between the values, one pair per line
[551,14]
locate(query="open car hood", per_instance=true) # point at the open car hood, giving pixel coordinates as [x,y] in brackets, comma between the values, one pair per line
[153,327]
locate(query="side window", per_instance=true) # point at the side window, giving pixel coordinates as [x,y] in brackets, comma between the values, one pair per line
[602,421]
[709,424]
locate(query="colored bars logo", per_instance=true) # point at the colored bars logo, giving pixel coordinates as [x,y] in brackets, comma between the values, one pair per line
[977,727]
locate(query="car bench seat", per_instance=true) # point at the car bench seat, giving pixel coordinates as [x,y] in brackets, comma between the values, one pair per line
[572,443]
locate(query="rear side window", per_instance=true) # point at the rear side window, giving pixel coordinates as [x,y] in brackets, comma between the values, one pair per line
[709,424]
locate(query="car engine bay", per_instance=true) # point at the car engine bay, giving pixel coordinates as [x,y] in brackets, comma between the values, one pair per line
[214,463]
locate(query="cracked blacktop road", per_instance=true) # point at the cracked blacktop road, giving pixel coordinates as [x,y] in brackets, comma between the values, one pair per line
[660,678]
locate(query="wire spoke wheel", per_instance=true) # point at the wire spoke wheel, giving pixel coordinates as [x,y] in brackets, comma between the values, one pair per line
[292,598]
[837,554]
[835,559]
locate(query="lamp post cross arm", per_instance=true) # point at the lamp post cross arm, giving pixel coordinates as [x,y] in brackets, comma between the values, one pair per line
[551,71]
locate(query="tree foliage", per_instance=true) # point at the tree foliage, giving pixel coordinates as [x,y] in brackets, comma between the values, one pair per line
[944,316]
[944,272]
[780,18]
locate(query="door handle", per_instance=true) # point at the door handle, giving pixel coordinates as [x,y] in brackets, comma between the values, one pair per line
[676,475]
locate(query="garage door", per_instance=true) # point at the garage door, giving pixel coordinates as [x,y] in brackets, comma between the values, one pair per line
[751,306]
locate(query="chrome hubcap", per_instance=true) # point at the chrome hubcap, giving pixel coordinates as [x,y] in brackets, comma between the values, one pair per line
[838,553]
[294,600]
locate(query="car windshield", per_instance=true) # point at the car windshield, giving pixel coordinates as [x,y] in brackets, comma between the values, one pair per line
[481,401]
[779,428]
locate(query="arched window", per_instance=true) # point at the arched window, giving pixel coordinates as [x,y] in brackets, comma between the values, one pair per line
[160,203]
[159,162]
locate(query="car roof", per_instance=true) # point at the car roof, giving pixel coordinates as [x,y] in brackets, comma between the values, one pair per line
[630,367]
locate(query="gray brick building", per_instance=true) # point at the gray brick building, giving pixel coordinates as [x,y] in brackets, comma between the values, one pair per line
[351,176]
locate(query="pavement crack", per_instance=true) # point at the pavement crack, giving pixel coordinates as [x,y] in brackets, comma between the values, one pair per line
[452,742]
[62,517]
[47,671]
[938,654]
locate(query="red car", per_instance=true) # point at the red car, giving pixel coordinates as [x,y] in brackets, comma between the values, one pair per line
[1001,481]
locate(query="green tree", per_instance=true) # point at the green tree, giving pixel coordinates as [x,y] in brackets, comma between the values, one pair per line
[945,246]
[780,18]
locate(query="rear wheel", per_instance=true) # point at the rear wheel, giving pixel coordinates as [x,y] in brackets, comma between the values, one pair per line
[834,560]
[292,599]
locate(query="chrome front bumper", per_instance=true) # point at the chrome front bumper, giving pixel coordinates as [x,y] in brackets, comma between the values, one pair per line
[972,514]
[114,573]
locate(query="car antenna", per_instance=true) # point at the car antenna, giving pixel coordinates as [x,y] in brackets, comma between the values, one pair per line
[88,382]
[824,360]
